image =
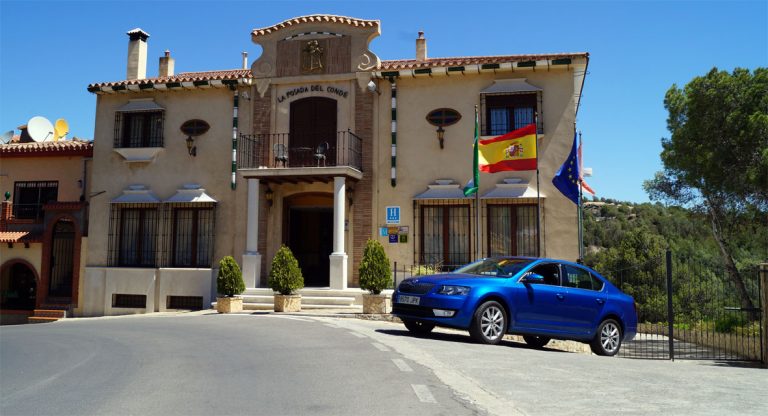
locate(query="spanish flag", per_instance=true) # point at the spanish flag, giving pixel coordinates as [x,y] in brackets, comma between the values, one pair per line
[515,150]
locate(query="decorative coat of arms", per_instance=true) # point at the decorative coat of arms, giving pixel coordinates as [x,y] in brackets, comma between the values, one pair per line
[312,57]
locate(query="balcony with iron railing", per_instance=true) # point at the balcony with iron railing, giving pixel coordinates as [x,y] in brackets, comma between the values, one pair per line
[283,150]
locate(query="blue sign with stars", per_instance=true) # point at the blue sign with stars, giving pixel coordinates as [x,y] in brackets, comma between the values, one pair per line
[393,215]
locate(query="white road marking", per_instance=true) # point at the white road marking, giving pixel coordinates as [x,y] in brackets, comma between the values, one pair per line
[293,318]
[357,334]
[422,392]
[402,365]
[380,347]
[331,326]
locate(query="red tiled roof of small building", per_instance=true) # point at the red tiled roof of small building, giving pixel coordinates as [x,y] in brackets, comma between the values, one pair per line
[474,60]
[18,237]
[318,18]
[223,75]
[59,148]
[235,74]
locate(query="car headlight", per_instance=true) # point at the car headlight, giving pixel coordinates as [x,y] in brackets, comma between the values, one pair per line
[453,290]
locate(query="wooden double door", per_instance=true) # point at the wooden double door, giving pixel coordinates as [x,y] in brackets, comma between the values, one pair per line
[312,123]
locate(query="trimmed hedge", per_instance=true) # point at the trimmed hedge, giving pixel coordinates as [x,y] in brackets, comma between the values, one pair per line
[229,281]
[375,272]
[285,276]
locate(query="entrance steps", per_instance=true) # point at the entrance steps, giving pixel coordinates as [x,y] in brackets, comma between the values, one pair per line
[49,313]
[263,299]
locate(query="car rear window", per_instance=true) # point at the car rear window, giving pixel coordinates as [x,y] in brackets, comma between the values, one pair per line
[581,278]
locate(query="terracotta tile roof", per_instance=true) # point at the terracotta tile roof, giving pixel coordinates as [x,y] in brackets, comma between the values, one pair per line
[236,74]
[15,236]
[231,74]
[60,148]
[473,60]
[317,18]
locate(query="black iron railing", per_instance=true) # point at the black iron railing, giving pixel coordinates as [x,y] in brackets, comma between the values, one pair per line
[282,150]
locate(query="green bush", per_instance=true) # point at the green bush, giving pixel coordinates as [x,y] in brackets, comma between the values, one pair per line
[229,281]
[285,276]
[375,272]
[425,269]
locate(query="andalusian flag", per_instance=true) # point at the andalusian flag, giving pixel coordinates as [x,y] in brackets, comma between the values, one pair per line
[474,184]
[515,150]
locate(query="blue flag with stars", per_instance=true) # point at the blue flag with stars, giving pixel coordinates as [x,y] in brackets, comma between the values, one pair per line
[567,178]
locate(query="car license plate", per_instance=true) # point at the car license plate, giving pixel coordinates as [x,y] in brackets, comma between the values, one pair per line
[410,300]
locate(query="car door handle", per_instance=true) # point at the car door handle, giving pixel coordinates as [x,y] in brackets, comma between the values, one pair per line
[600,301]
[560,296]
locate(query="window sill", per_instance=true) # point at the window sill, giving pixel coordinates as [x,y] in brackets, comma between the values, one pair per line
[138,154]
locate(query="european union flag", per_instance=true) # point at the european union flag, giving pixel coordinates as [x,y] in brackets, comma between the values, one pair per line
[567,178]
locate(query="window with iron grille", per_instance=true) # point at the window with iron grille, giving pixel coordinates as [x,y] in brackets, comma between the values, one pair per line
[139,129]
[512,230]
[192,303]
[445,235]
[29,198]
[192,235]
[133,238]
[503,113]
[120,300]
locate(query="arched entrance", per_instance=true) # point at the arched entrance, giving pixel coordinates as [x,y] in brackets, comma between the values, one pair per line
[18,286]
[62,259]
[309,234]
[312,123]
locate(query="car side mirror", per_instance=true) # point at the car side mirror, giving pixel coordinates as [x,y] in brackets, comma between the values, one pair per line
[533,278]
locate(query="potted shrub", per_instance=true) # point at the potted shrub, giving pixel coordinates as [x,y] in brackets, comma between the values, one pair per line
[375,276]
[229,282]
[285,279]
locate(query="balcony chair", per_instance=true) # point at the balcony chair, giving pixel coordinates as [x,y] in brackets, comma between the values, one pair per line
[320,151]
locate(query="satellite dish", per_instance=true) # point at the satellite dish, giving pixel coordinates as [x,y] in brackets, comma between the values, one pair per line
[6,137]
[60,130]
[39,128]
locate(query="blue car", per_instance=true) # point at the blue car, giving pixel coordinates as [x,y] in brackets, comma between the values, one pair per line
[537,298]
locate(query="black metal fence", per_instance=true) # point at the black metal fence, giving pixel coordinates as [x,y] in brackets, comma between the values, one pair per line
[693,309]
[280,150]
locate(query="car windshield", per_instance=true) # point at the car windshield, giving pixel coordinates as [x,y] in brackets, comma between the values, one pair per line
[497,267]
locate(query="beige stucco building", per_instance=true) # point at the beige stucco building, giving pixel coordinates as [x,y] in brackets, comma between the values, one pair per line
[319,145]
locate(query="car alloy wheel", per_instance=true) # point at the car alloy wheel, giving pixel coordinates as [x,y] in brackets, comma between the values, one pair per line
[489,324]
[608,338]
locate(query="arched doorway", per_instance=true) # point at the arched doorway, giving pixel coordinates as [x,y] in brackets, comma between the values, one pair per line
[18,286]
[62,259]
[309,234]
[312,123]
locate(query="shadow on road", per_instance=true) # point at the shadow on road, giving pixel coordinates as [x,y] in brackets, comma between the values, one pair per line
[464,339]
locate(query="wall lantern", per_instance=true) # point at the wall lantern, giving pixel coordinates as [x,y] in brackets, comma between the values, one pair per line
[443,117]
[269,195]
[194,128]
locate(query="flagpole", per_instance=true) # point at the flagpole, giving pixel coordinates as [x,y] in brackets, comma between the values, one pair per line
[538,193]
[477,195]
[581,221]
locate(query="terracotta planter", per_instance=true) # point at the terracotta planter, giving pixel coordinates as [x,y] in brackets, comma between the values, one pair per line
[377,303]
[287,303]
[229,305]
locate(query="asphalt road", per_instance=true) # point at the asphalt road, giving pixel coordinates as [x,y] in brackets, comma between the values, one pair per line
[272,364]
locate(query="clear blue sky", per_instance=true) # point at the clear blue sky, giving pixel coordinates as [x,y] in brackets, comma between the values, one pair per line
[51,51]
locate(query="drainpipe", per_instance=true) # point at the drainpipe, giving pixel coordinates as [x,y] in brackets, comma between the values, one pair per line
[234,137]
[394,131]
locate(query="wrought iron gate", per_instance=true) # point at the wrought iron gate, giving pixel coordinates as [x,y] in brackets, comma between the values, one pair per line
[692,309]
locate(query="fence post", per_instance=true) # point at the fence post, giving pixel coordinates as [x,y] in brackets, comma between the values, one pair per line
[395,277]
[670,308]
[764,308]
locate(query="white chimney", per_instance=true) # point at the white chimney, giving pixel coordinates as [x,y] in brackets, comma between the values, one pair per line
[137,54]
[166,65]
[421,48]
[245,60]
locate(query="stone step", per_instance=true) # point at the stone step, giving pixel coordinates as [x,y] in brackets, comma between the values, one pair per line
[308,300]
[268,306]
[41,320]
[50,313]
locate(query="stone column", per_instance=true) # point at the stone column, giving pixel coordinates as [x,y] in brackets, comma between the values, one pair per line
[338,270]
[252,257]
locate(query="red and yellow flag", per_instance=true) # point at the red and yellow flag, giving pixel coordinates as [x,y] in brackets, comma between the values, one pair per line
[515,150]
